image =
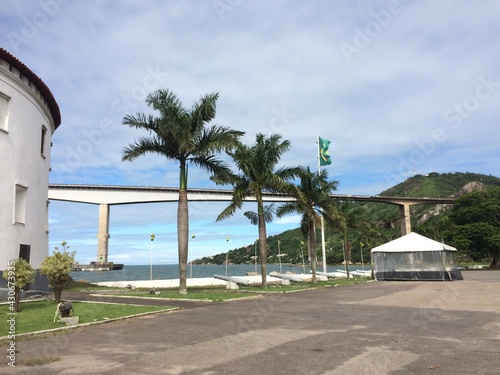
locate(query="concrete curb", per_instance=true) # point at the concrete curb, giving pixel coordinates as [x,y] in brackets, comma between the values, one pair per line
[148,298]
[171,299]
[83,325]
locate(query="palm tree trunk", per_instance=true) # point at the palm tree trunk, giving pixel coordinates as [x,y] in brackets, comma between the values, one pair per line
[347,249]
[312,246]
[182,239]
[182,227]
[262,245]
[57,293]
[17,298]
[495,263]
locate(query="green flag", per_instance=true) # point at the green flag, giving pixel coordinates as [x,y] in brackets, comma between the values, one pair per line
[324,156]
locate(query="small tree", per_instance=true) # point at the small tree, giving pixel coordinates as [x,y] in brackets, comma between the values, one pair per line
[19,274]
[57,268]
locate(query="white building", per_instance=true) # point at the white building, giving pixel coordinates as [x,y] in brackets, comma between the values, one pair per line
[29,115]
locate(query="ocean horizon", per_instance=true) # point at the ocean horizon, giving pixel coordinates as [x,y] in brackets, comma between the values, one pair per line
[171,271]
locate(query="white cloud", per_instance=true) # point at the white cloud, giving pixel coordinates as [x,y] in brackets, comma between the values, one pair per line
[291,219]
[279,69]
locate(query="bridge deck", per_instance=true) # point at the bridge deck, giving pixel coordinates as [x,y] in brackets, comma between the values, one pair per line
[112,195]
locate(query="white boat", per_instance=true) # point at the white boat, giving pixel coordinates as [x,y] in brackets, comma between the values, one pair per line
[362,273]
[332,275]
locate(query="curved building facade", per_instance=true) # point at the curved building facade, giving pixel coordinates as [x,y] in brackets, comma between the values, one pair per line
[29,115]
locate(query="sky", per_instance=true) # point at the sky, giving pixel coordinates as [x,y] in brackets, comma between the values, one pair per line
[398,87]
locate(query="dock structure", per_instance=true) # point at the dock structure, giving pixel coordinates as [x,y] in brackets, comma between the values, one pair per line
[98,266]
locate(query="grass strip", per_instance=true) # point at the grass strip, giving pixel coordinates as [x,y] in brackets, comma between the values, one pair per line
[39,315]
[219,293]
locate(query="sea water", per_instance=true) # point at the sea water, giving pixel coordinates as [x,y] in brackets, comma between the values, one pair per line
[171,271]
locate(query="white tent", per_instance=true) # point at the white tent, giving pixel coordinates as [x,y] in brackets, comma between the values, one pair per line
[415,257]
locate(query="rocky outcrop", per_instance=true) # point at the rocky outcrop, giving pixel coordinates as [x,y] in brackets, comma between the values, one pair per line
[470,187]
[439,208]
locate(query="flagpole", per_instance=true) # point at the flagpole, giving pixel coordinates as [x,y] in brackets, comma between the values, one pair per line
[323,249]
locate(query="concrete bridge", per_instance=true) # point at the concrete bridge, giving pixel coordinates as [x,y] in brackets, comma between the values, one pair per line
[107,195]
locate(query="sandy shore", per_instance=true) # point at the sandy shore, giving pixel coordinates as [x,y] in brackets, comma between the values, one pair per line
[204,281]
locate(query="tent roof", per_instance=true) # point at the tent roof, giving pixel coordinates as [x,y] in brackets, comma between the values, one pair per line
[412,242]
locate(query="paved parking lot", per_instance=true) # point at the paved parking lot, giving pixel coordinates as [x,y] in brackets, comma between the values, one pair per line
[373,328]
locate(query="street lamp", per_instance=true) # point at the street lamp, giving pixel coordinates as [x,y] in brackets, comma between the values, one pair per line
[279,255]
[151,257]
[227,252]
[302,254]
[191,263]
[255,253]
[361,251]
[344,252]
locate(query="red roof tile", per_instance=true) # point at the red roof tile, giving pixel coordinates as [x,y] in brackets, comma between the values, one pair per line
[40,85]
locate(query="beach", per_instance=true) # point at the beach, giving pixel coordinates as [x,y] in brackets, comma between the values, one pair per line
[193,282]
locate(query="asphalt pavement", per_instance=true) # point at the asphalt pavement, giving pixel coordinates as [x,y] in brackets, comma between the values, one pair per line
[373,328]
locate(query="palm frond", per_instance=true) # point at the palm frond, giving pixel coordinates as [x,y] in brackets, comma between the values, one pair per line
[217,138]
[203,111]
[140,121]
[288,208]
[142,146]
[167,103]
[211,164]
[252,216]
[269,212]
[228,211]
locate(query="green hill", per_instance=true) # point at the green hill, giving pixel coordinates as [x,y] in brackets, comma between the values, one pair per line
[435,185]
[383,223]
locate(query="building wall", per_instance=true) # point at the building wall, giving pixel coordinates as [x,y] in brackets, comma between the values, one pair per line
[26,128]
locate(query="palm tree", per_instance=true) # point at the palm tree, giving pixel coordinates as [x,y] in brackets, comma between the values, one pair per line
[353,218]
[257,174]
[313,202]
[182,135]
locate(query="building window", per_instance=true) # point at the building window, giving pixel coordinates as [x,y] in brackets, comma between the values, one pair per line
[42,147]
[20,204]
[4,112]
[24,252]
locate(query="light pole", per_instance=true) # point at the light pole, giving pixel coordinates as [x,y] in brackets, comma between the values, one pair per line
[151,257]
[191,263]
[227,252]
[362,264]
[343,250]
[302,254]
[280,255]
[255,253]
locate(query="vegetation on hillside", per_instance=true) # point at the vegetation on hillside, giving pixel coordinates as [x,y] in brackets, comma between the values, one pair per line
[473,226]
[436,185]
[382,224]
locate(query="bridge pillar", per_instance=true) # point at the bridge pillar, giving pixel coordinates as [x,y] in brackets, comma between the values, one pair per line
[405,219]
[103,233]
